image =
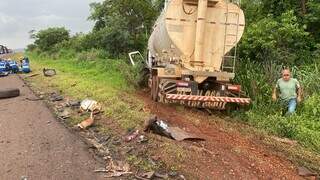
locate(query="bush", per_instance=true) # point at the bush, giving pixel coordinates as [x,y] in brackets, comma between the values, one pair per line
[281,40]
[47,39]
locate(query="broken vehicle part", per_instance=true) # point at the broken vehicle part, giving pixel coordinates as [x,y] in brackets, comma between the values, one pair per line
[86,123]
[73,103]
[64,114]
[131,136]
[55,97]
[304,172]
[136,55]
[146,176]
[116,169]
[49,72]
[162,128]
[90,105]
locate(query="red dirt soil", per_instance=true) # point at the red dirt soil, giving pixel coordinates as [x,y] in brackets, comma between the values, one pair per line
[225,154]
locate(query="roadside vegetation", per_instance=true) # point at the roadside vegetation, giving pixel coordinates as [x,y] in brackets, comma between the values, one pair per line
[105,80]
[277,34]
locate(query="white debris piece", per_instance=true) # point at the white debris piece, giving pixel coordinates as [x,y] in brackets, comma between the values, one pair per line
[90,105]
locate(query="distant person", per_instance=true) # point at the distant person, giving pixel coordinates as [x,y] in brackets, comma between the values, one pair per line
[289,91]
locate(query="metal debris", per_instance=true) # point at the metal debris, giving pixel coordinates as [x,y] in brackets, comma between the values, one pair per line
[162,128]
[55,97]
[131,136]
[162,176]
[49,72]
[73,103]
[146,176]
[65,114]
[302,171]
[34,99]
[115,169]
[33,75]
[90,105]
[173,173]
[142,139]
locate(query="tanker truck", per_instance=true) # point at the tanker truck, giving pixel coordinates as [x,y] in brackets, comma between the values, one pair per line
[192,53]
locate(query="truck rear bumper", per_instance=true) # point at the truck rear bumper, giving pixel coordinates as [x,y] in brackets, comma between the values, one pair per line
[243,101]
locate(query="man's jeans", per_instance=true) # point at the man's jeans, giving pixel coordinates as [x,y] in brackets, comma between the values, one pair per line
[290,106]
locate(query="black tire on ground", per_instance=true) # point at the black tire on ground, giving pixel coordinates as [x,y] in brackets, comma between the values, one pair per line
[9,93]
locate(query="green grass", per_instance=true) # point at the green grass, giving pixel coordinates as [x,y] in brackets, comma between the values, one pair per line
[304,126]
[100,80]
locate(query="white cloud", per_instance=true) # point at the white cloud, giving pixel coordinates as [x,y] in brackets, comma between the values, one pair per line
[4,19]
[17,21]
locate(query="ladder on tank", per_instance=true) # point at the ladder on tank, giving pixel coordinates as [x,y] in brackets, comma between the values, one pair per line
[229,59]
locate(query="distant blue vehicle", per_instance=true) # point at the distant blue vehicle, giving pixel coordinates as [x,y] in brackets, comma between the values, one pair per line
[14,66]
[25,67]
[4,66]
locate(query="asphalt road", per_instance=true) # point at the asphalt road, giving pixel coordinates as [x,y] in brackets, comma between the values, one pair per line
[34,145]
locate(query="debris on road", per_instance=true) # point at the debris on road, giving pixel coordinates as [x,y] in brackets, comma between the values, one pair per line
[86,123]
[142,139]
[162,176]
[90,105]
[33,75]
[131,136]
[55,97]
[151,175]
[73,104]
[304,172]
[34,99]
[65,114]
[162,128]
[146,176]
[49,72]
[115,169]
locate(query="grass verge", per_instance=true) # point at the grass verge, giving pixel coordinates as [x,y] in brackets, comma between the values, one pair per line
[98,80]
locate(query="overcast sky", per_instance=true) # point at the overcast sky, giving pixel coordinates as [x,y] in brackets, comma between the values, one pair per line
[18,17]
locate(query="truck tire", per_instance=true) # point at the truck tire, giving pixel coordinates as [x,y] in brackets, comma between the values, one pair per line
[9,93]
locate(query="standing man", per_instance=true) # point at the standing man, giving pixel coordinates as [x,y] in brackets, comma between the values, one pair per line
[290,91]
